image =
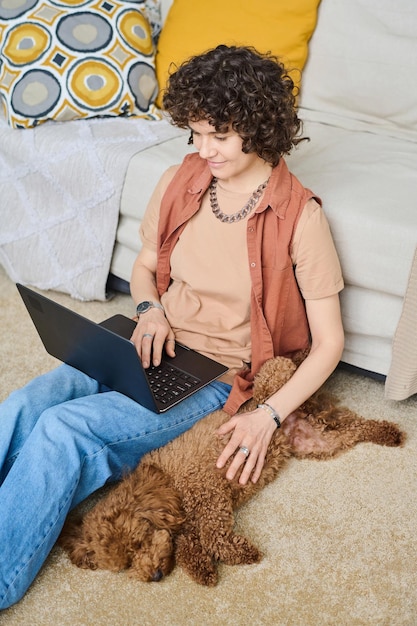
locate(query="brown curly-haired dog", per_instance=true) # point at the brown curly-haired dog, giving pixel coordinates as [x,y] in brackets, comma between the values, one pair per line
[178,503]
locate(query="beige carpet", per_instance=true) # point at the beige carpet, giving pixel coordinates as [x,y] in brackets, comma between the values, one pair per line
[339,537]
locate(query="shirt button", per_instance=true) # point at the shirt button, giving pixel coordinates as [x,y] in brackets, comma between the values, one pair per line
[251,229]
[253,264]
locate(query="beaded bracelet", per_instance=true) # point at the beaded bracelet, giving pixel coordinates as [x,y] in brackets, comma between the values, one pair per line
[272,413]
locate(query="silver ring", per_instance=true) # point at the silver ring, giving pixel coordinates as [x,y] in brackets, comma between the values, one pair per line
[245,450]
[147,335]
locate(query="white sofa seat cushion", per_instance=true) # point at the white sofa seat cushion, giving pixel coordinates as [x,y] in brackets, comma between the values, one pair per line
[370,319]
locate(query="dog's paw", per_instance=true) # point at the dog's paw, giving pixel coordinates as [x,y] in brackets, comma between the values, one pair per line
[205,576]
[72,540]
[80,556]
[195,561]
[201,569]
[238,550]
[386,434]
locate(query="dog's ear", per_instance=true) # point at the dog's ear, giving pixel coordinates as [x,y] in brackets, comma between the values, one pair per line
[273,374]
[157,501]
[164,514]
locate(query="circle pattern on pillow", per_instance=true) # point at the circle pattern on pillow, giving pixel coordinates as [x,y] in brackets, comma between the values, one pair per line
[9,10]
[84,32]
[70,59]
[35,94]
[135,32]
[26,44]
[141,82]
[94,84]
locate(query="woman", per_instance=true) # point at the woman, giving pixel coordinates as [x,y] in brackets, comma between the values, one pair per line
[237,262]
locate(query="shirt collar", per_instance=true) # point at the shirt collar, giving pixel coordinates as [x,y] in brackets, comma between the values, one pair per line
[277,194]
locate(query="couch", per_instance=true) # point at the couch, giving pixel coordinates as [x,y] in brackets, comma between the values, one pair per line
[358,102]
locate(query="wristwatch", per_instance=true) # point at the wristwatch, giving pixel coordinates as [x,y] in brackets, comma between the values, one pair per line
[146,305]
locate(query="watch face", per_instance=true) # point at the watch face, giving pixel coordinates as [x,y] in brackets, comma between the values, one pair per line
[143,306]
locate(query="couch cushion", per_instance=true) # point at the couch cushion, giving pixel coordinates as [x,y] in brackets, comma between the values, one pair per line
[362,66]
[370,319]
[193,26]
[368,185]
[146,166]
[95,58]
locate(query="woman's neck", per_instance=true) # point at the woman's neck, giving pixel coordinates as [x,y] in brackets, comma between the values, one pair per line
[247,181]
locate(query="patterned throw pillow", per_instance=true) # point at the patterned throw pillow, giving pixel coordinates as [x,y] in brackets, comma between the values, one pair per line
[71,59]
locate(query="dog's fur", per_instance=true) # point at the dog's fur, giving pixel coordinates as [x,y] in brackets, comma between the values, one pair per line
[177,506]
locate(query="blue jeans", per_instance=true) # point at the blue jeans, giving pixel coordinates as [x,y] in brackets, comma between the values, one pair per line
[62,437]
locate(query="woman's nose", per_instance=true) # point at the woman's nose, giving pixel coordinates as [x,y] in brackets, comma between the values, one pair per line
[206,148]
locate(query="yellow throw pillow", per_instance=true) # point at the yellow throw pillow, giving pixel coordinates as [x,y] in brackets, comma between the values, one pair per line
[282,27]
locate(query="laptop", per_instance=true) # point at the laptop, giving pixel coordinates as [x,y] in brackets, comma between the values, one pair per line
[104,352]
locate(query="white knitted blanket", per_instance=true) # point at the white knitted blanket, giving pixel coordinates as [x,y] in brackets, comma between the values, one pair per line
[60,189]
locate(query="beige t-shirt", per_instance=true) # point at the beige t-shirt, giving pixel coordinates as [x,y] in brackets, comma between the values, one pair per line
[208,300]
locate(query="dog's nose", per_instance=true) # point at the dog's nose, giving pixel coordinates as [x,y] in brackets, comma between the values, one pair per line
[157,575]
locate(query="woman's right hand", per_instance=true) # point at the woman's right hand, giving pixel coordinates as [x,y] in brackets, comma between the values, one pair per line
[151,335]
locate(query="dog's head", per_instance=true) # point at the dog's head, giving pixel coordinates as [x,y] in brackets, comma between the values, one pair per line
[133,528]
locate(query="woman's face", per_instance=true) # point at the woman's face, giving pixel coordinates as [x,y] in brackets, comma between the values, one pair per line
[223,151]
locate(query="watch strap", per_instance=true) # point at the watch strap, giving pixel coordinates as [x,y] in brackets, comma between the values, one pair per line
[150,305]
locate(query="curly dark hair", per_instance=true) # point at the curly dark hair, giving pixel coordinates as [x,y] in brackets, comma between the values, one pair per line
[241,89]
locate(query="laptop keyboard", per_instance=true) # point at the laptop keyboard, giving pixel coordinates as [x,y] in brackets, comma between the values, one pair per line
[169,383]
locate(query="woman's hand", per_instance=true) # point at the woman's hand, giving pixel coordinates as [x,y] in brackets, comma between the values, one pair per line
[151,335]
[152,331]
[252,431]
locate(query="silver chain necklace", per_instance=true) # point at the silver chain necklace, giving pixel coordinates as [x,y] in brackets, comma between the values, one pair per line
[239,215]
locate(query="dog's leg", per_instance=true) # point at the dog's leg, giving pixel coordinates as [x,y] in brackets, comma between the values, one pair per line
[190,555]
[330,432]
[210,510]
[201,563]
[226,545]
